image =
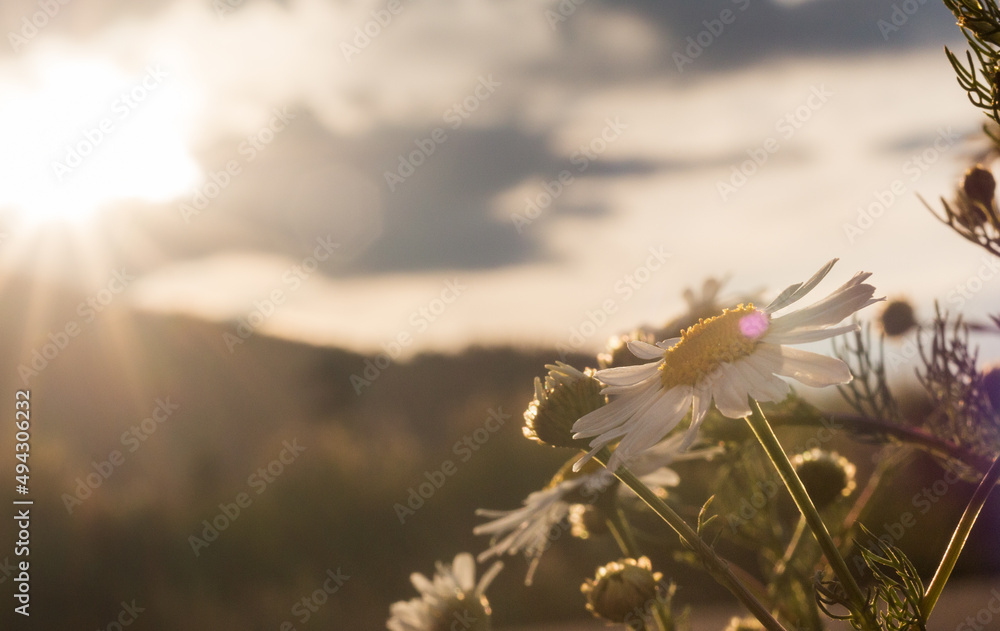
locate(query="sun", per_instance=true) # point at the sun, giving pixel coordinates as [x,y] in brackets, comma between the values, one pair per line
[82,134]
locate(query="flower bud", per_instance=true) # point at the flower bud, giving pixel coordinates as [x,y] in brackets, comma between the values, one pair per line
[977,198]
[566,395]
[826,475]
[979,185]
[622,590]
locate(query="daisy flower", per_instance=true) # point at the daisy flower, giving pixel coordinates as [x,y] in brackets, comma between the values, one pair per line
[532,527]
[450,598]
[739,354]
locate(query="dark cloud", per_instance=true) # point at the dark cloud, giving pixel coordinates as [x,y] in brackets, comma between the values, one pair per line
[763,29]
[310,182]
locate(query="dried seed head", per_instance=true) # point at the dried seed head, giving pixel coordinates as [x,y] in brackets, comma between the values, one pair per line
[897,318]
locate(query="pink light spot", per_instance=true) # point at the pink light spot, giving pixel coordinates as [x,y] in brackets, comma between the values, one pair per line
[753,325]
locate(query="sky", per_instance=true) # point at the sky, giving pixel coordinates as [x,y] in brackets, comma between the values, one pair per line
[403,176]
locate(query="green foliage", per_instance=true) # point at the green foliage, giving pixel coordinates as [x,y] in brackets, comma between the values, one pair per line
[868,393]
[980,23]
[899,590]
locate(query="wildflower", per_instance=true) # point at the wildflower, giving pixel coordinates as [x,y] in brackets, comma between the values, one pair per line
[452,597]
[826,475]
[622,590]
[728,358]
[538,522]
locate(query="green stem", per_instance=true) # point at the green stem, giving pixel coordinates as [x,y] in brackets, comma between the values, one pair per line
[793,545]
[622,532]
[718,568]
[770,443]
[958,539]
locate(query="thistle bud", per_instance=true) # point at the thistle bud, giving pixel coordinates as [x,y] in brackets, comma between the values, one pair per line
[977,199]
[565,396]
[979,185]
[897,318]
[623,591]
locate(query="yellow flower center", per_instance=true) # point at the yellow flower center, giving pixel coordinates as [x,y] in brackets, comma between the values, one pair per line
[705,346]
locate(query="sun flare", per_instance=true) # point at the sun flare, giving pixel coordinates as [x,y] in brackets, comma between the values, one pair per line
[84,134]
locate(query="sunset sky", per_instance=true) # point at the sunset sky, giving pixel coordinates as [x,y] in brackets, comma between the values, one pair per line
[463,171]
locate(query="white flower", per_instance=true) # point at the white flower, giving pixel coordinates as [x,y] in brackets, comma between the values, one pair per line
[532,528]
[730,357]
[453,593]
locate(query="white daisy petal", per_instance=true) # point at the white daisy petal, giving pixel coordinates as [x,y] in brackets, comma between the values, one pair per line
[813,369]
[645,350]
[669,343]
[464,569]
[804,335]
[831,310]
[764,386]
[613,414]
[795,292]
[731,393]
[650,426]
[627,375]
[662,478]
